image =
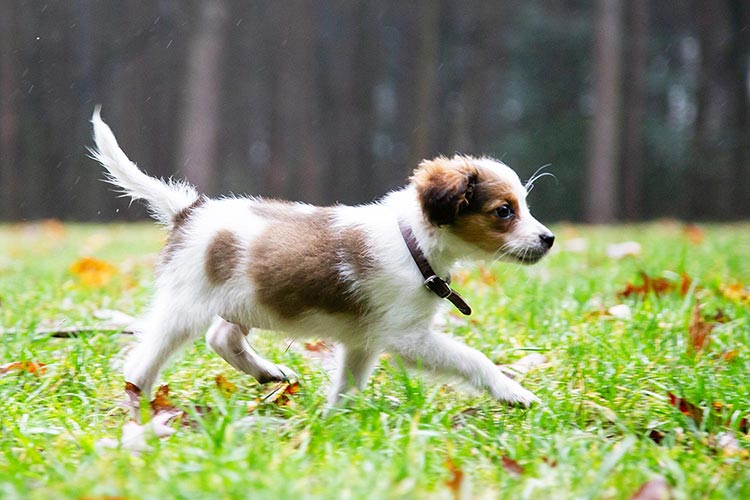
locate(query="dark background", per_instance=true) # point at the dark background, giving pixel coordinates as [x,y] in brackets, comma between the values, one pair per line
[641,107]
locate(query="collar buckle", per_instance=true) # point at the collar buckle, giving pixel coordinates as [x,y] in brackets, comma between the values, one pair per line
[438,286]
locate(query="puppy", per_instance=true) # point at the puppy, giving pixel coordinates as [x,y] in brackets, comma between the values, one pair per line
[369,277]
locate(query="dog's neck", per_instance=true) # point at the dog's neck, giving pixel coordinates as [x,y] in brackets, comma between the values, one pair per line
[439,248]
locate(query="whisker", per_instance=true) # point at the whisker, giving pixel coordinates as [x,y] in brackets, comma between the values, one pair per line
[538,175]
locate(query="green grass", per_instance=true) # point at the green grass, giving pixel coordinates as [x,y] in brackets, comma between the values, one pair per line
[604,387]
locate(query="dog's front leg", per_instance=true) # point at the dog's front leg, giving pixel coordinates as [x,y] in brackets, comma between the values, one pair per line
[440,353]
[354,366]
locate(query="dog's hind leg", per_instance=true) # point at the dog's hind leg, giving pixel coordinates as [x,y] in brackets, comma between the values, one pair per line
[229,341]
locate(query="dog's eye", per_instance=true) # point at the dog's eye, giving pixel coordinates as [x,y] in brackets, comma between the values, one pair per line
[504,212]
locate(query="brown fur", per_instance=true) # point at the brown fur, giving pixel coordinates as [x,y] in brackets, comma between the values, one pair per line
[222,257]
[294,278]
[176,233]
[445,188]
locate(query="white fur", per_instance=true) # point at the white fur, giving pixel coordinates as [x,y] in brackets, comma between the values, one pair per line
[400,308]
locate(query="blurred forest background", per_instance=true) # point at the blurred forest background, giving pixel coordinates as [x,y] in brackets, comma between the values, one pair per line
[641,107]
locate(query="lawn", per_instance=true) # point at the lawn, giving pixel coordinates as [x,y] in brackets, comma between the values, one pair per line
[606,428]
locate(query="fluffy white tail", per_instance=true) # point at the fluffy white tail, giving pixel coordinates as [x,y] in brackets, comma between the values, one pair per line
[164,198]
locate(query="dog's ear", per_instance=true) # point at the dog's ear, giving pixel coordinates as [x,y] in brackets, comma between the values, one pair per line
[444,188]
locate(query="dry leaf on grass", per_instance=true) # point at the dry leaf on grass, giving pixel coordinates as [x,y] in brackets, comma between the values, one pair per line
[699,331]
[696,413]
[24,367]
[694,234]
[736,292]
[657,286]
[225,385]
[455,481]
[281,395]
[512,467]
[93,272]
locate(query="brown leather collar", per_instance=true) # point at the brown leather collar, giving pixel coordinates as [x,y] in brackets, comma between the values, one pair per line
[432,281]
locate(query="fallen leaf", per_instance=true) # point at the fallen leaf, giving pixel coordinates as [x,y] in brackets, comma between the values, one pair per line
[512,467]
[24,366]
[456,480]
[699,331]
[736,292]
[656,436]
[728,356]
[656,489]
[93,272]
[317,346]
[694,234]
[225,385]
[695,413]
[551,462]
[625,249]
[658,286]
[281,394]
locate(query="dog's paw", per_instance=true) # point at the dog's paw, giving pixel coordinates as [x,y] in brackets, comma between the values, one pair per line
[277,373]
[513,394]
[523,398]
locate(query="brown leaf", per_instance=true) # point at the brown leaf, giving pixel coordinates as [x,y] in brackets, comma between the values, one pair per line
[656,489]
[728,355]
[699,331]
[694,234]
[456,479]
[551,462]
[161,405]
[281,394]
[658,286]
[511,466]
[24,366]
[656,436]
[317,346]
[695,413]
[225,385]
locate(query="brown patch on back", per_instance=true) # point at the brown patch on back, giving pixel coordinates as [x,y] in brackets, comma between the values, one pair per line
[296,264]
[222,257]
[177,234]
[181,217]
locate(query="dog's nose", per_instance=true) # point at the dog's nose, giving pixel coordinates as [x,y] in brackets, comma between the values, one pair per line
[547,240]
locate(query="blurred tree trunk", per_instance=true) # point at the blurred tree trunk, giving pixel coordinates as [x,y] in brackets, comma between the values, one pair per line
[9,182]
[198,150]
[297,153]
[600,196]
[740,120]
[634,109]
[710,176]
[428,25]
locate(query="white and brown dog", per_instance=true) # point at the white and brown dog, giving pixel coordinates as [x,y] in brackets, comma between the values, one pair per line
[366,276]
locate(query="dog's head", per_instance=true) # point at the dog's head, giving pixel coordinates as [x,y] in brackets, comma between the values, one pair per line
[482,202]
